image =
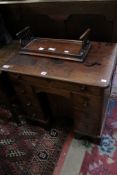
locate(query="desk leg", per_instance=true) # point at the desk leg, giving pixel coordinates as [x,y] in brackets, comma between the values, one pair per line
[95,140]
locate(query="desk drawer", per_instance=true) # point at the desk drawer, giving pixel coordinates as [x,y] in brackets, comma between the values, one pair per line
[70,86]
[85,116]
[50,83]
[87,102]
[80,88]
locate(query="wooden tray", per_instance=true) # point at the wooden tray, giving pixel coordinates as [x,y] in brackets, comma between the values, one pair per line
[57,48]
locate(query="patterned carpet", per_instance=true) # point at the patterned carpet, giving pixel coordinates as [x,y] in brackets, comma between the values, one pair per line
[102,160]
[29,150]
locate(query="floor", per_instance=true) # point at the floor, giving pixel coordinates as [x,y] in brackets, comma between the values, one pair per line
[73,159]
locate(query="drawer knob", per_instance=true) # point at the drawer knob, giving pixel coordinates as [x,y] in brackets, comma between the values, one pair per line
[82,88]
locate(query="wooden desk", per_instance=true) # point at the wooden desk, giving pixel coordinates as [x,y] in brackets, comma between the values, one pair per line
[84,87]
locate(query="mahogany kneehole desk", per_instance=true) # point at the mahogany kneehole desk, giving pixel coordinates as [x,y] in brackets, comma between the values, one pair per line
[77,90]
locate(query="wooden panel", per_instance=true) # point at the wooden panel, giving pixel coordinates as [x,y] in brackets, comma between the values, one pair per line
[64,19]
[43,82]
[28,100]
[60,106]
[87,123]
[87,102]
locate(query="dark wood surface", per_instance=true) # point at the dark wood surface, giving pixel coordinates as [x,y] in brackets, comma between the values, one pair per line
[74,46]
[95,71]
[8,51]
[57,48]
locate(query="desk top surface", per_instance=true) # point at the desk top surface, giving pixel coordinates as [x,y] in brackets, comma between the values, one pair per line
[97,69]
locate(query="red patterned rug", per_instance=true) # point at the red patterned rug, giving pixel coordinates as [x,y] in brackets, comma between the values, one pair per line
[29,150]
[102,160]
